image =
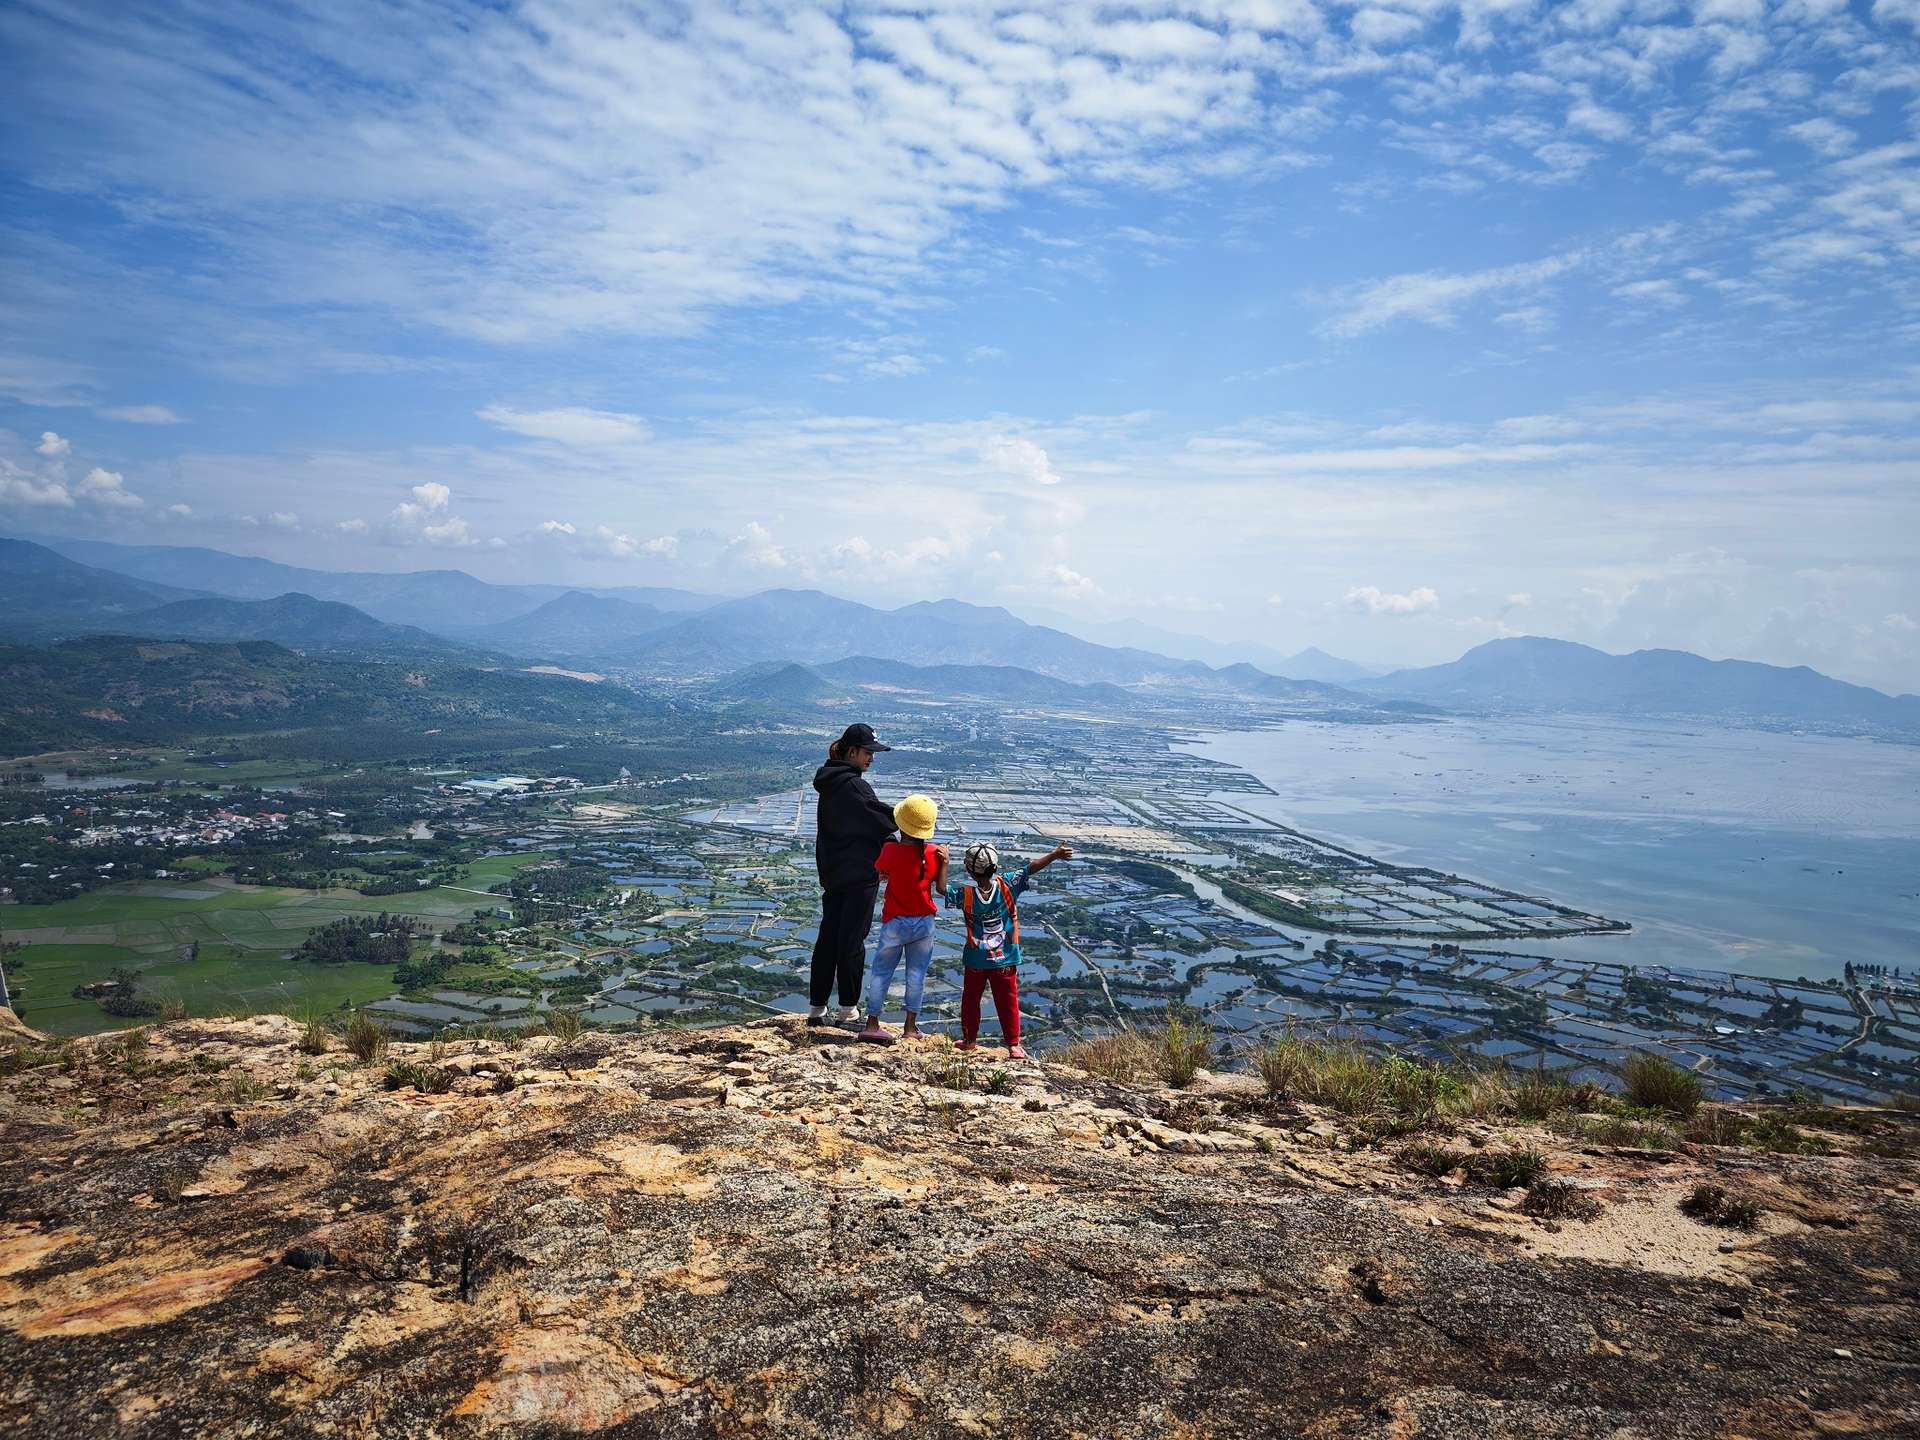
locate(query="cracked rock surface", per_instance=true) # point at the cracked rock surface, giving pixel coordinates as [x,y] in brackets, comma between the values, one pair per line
[762,1230]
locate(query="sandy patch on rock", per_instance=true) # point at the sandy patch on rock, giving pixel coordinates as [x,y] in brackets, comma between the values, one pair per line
[564,1377]
[151,1303]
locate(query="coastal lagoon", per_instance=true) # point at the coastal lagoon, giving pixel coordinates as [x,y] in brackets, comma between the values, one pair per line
[1774,854]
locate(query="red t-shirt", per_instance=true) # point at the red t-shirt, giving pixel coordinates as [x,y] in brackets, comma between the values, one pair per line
[908,871]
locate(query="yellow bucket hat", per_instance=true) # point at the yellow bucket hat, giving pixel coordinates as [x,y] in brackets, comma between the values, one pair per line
[915,816]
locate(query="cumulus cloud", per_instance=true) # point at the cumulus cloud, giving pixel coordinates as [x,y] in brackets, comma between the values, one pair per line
[141,415]
[107,488]
[432,495]
[1372,600]
[571,425]
[1070,584]
[556,527]
[180,511]
[352,527]
[755,549]
[53,446]
[1020,457]
[19,487]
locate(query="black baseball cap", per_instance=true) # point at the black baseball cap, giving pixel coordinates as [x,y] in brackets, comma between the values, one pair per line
[861,737]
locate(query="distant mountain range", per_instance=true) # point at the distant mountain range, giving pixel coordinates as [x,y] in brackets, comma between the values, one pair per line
[642,634]
[1534,673]
[437,600]
[1308,664]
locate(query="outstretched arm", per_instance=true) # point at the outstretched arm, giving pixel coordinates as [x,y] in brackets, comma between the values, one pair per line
[1040,862]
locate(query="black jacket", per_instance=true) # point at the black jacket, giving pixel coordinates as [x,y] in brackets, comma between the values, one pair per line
[853,824]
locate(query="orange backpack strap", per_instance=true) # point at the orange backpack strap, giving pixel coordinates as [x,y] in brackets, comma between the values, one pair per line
[1013,912]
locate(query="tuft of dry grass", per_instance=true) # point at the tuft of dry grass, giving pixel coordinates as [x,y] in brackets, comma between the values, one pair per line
[1172,1054]
[565,1025]
[366,1038]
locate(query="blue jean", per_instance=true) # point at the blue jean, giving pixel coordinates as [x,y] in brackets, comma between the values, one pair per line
[906,935]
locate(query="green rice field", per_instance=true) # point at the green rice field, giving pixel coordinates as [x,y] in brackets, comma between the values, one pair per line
[244,933]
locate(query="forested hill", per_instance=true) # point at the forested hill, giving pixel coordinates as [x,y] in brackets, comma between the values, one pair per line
[131,691]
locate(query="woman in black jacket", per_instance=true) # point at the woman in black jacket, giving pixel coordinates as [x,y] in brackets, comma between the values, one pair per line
[851,826]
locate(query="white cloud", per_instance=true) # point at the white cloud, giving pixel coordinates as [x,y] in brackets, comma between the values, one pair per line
[1828,137]
[1436,297]
[556,527]
[1899,620]
[141,415]
[1021,458]
[432,495]
[23,487]
[453,533]
[756,549]
[284,520]
[1071,584]
[53,446]
[662,547]
[1372,600]
[107,488]
[180,512]
[571,425]
[352,527]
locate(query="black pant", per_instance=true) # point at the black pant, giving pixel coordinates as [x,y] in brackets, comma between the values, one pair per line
[846,915]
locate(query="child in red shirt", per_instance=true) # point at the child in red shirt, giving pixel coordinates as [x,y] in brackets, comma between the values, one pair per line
[915,872]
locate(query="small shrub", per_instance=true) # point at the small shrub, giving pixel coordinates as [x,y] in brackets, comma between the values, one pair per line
[173,1009]
[1424,1158]
[1559,1200]
[366,1038]
[565,1025]
[503,1083]
[1540,1095]
[1716,1125]
[427,1079]
[1506,1169]
[1906,1104]
[208,1064]
[1660,1084]
[1712,1205]
[997,1082]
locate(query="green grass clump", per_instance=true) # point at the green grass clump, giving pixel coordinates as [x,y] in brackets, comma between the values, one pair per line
[1716,1125]
[1393,1095]
[1627,1132]
[1713,1205]
[565,1025]
[366,1038]
[950,1071]
[1659,1084]
[316,1036]
[427,1079]
[1424,1158]
[1778,1135]
[1559,1200]
[1506,1169]
[1182,1048]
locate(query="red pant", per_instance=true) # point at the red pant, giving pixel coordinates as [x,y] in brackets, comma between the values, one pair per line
[1006,1003]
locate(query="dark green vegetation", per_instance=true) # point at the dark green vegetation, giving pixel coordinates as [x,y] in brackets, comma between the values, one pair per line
[1713,1205]
[144,692]
[383,940]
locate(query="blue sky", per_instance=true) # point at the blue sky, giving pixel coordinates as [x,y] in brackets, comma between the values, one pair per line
[1387,327]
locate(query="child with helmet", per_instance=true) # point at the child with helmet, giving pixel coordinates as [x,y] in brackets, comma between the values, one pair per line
[915,872]
[991,906]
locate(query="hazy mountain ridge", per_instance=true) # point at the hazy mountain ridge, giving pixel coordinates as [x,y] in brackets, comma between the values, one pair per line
[1536,673]
[437,600]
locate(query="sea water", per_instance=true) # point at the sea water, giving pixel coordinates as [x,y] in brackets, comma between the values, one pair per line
[1776,854]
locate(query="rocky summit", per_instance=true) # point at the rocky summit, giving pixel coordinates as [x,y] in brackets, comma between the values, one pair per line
[210,1231]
